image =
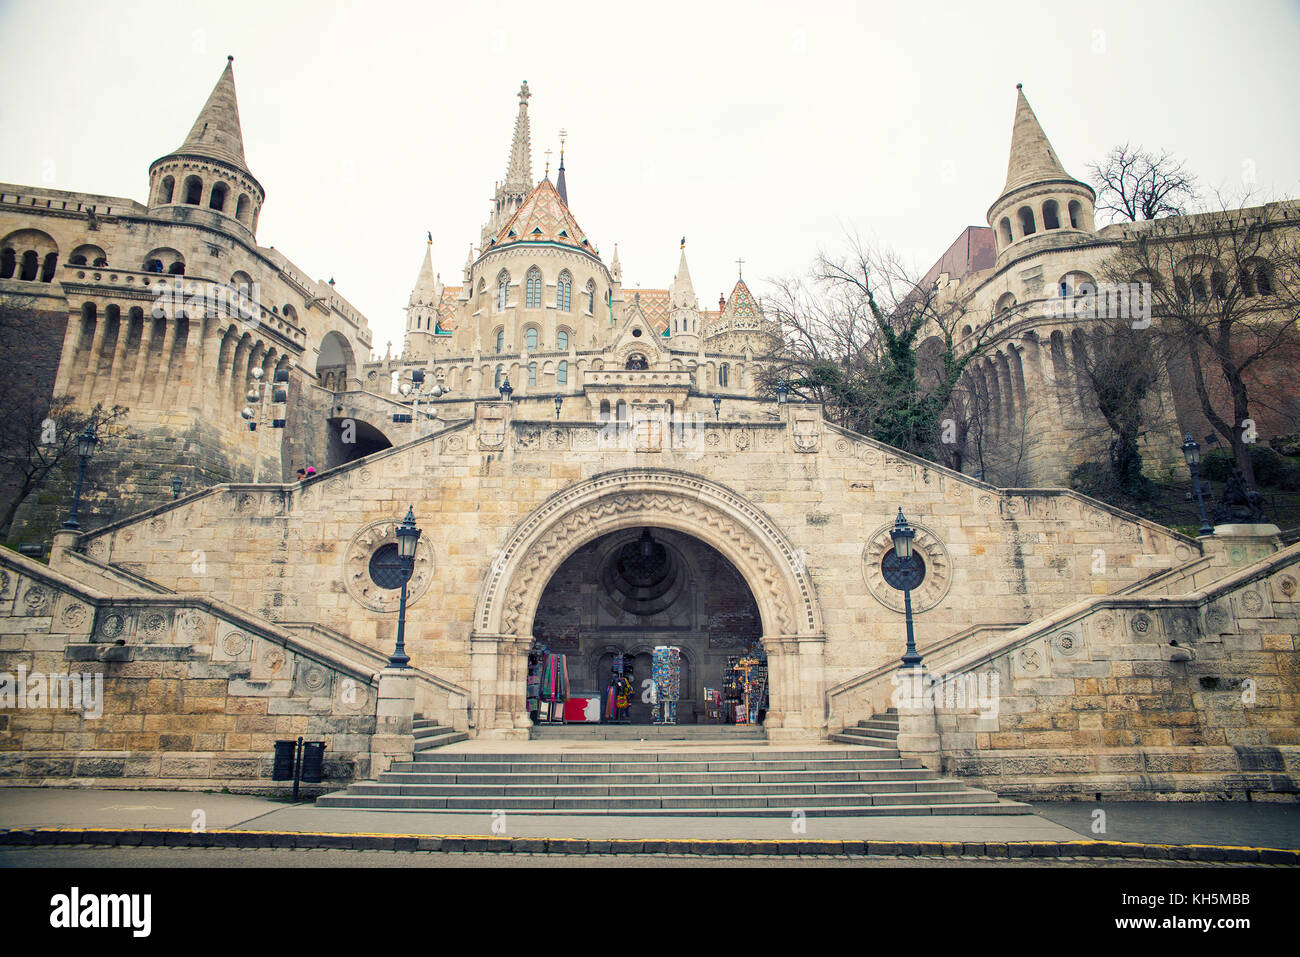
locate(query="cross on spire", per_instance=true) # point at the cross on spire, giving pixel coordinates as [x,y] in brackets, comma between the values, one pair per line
[740,266]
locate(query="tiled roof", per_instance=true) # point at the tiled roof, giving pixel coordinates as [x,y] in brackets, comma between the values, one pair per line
[543,218]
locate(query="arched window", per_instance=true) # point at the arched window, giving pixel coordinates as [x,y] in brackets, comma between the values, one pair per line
[1004,230]
[166,189]
[50,263]
[153,265]
[501,341]
[176,269]
[503,290]
[193,191]
[532,375]
[591,297]
[620,411]
[604,410]
[562,341]
[1180,289]
[564,293]
[77,260]
[530,337]
[1247,281]
[533,289]
[496,380]
[1076,214]
[562,375]
[1006,303]
[1051,215]
[1218,285]
[1263,281]
[1026,221]
[242,208]
[1199,293]
[8,263]
[30,265]
[218,199]
[722,375]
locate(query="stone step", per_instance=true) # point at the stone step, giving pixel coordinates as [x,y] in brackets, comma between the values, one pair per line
[758,792]
[635,732]
[808,809]
[401,776]
[432,765]
[867,736]
[880,724]
[439,741]
[683,755]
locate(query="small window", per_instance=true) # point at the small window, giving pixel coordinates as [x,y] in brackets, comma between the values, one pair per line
[562,341]
[503,291]
[591,297]
[530,337]
[532,375]
[564,292]
[166,189]
[562,375]
[722,375]
[193,191]
[1051,215]
[533,289]
[1026,221]
[218,200]
[387,570]
[501,341]
[497,379]
[1263,281]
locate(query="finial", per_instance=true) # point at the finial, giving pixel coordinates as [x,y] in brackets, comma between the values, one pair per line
[430,235]
[1019,86]
[230,58]
[683,242]
[563,134]
[524,94]
[548,165]
[740,267]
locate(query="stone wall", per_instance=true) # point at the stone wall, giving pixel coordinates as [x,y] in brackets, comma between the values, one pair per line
[194,693]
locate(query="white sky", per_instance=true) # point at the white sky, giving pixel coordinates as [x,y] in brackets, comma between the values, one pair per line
[757,130]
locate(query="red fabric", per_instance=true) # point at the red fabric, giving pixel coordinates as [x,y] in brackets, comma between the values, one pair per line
[575,710]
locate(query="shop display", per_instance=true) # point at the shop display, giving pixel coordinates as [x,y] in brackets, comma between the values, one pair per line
[665,675]
[553,682]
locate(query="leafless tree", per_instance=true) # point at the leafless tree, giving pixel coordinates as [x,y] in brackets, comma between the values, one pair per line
[1225,301]
[1135,184]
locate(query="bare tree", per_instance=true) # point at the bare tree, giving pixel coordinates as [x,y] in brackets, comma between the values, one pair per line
[1135,184]
[849,339]
[1225,300]
[39,436]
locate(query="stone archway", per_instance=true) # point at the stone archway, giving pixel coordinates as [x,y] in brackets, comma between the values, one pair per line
[773,569]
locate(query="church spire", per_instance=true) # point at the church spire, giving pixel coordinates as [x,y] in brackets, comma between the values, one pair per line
[217,133]
[559,183]
[519,171]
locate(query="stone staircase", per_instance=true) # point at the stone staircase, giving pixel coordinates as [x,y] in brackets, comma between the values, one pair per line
[718,733]
[429,734]
[878,732]
[688,780]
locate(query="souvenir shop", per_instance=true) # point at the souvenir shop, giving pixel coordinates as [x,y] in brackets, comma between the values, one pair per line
[739,697]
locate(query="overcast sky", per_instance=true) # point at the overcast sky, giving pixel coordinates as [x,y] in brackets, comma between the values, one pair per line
[761,131]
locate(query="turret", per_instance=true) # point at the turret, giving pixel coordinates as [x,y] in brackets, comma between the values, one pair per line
[206,179]
[511,192]
[1041,206]
[683,309]
[422,310]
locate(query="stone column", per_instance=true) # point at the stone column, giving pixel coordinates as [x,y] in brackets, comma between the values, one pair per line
[812,683]
[394,738]
[141,371]
[164,361]
[65,540]
[71,338]
[918,729]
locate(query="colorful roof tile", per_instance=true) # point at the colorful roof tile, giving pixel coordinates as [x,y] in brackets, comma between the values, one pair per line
[543,218]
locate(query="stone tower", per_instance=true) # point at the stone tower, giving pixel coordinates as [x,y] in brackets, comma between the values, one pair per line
[422,310]
[206,179]
[514,189]
[1041,206]
[684,309]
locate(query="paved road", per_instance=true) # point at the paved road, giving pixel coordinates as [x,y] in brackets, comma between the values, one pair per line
[89,857]
[1238,823]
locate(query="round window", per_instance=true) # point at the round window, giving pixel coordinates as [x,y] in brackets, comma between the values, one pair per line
[636,333]
[387,570]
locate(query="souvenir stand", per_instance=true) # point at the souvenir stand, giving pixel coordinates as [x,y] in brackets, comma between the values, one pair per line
[618,694]
[744,688]
[666,677]
[552,685]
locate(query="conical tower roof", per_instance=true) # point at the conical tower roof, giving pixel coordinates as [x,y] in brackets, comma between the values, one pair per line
[216,133]
[519,169]
[426,283]
[1032,158]
[741,305]
[683,292]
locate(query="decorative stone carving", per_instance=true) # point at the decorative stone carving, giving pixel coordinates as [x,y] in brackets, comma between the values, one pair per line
[153,624]
[805,432]
[1141,623]
[356,567]
[36,600]
[74,614]
[1067,644]
[235,644]
[112,626]
[938,569]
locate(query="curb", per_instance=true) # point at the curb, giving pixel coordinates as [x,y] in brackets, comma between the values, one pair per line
[481,843]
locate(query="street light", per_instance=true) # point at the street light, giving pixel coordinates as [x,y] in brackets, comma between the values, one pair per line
[903,569]
[86,442]
[176,487]
[505,389]
[782,391]
[717,407]
[559,401]
[407,538]
[1192,452]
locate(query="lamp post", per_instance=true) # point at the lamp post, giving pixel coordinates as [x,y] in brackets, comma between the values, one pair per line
[407,537]
[505,389]
[717,407]
[86,442]
[903,569]
[782,392]
[559,401]
[176,487]
[1192,452]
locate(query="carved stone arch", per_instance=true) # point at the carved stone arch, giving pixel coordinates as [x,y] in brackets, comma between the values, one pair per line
[741,532]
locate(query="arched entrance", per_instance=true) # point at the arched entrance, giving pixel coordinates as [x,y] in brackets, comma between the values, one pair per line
[675,502]
[618,597]
[350,439]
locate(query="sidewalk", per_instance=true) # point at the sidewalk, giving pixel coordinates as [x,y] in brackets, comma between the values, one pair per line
[126,817]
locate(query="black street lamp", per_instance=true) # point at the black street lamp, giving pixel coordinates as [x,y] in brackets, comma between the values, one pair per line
[176,487]
[407,537]
[903,569]
[782,391]
[717,407]
[1192,452]
[559,401]
[85,446]
[505,389]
